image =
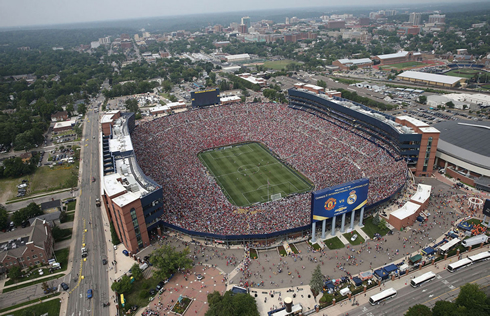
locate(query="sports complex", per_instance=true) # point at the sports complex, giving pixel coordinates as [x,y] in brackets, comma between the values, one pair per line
[248,171]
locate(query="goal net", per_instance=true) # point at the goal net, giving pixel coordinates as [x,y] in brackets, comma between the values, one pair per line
[275,197]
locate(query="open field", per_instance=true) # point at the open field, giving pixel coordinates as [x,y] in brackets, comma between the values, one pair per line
[278,64]
[249,174]
[408,64]
[59,177]
[463,73]
[51,307]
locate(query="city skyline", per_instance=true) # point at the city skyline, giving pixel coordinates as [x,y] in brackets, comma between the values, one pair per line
[51,12]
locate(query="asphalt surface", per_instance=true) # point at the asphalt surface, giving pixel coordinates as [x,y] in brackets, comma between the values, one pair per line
[89,274]
[57,196]
[444,287]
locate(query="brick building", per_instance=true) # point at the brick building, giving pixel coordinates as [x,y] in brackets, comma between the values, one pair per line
[27,247]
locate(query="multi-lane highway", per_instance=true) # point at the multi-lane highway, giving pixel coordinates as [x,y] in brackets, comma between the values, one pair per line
[89,273]
[444,287]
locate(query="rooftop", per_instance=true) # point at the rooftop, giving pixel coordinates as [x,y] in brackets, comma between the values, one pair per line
[355,61]
[395,55]
[429,77]
[413,121]
[406,210]
[422,194]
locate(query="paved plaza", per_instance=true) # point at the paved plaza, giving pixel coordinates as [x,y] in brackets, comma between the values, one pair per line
[284,276]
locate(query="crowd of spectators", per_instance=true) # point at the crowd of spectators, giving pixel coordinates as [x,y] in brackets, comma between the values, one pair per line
[328,152]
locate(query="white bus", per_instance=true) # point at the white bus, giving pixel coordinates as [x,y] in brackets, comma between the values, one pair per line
[447,246]
[427,277]
[385,295]
[459,265]
[482,256]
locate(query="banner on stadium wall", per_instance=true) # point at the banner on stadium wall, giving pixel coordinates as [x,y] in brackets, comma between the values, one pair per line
[338,200]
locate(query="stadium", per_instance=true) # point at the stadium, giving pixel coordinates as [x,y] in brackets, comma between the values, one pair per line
[247,170]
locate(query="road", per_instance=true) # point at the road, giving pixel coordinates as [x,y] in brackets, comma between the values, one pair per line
[444,287]
[89,274]
[38,200]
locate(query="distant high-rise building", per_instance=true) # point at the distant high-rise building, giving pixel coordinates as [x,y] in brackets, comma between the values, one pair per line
[390,12]
[294,20]
[415,18]
[105,40]
[287,20]
[437,18]
[242,28]
[246,21]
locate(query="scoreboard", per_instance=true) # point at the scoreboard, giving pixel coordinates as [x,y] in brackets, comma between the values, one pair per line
[205,98]
[338,200]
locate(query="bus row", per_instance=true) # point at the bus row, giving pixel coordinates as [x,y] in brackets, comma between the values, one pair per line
[429,276]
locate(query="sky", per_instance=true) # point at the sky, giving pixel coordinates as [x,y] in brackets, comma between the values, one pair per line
[15,13]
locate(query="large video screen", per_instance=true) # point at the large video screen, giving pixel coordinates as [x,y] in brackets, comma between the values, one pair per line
[205,97]
[337,200]
[486,207]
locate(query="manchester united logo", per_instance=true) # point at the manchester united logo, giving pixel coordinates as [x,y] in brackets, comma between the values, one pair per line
[330,204]
[352,197]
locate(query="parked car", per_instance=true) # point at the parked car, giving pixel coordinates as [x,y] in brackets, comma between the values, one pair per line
[354,237]
[64,286]
[104,261]
[199,277]
[125,252]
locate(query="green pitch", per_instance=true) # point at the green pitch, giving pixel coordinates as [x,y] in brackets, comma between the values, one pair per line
[248,174]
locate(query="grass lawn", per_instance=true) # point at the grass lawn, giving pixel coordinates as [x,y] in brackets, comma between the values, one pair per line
[463,73]
[70,217]
[13,288]
[282,251]
[293,248]
[278,64]
[62,257]
[334,243]
[8,189]
[370,229]
[33,274]
[486,86]
[359,240]
[59,177]
[65,234]
[253,253]
[249,174]
[71,206]
[50,308]
[315,246]
[27,303]
[474,221]
[408,64]
[139,293]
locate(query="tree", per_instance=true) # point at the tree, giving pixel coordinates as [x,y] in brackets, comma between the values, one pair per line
[382,224]
[131,105]
[450,104]
[123,286]
[45,287]
[136,271]
[14,273]
[4,217]
[167,261]
[114,237]
[472,298]
[322,84]
[376,219]
[444,308]
[316,282]
[231,305]
[418,310]
[422,99]
[82,108]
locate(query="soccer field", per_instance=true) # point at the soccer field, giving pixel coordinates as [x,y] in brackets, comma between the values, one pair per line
[249,174]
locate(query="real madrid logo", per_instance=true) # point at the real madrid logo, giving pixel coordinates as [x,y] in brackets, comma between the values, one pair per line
[330,204]
[352,197]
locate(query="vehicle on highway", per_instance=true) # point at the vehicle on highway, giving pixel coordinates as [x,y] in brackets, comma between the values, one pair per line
[104,261]
[84,252]
[97,202]
[125,252]
[64,286]
[385,295]
[93,179]
[90,293]
[426,277]
[453,267]
[482,256]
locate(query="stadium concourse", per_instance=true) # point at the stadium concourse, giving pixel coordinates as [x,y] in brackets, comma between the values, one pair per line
[327,151]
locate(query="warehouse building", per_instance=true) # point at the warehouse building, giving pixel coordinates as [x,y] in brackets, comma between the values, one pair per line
[346,63]
[431,79]
[397,58]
